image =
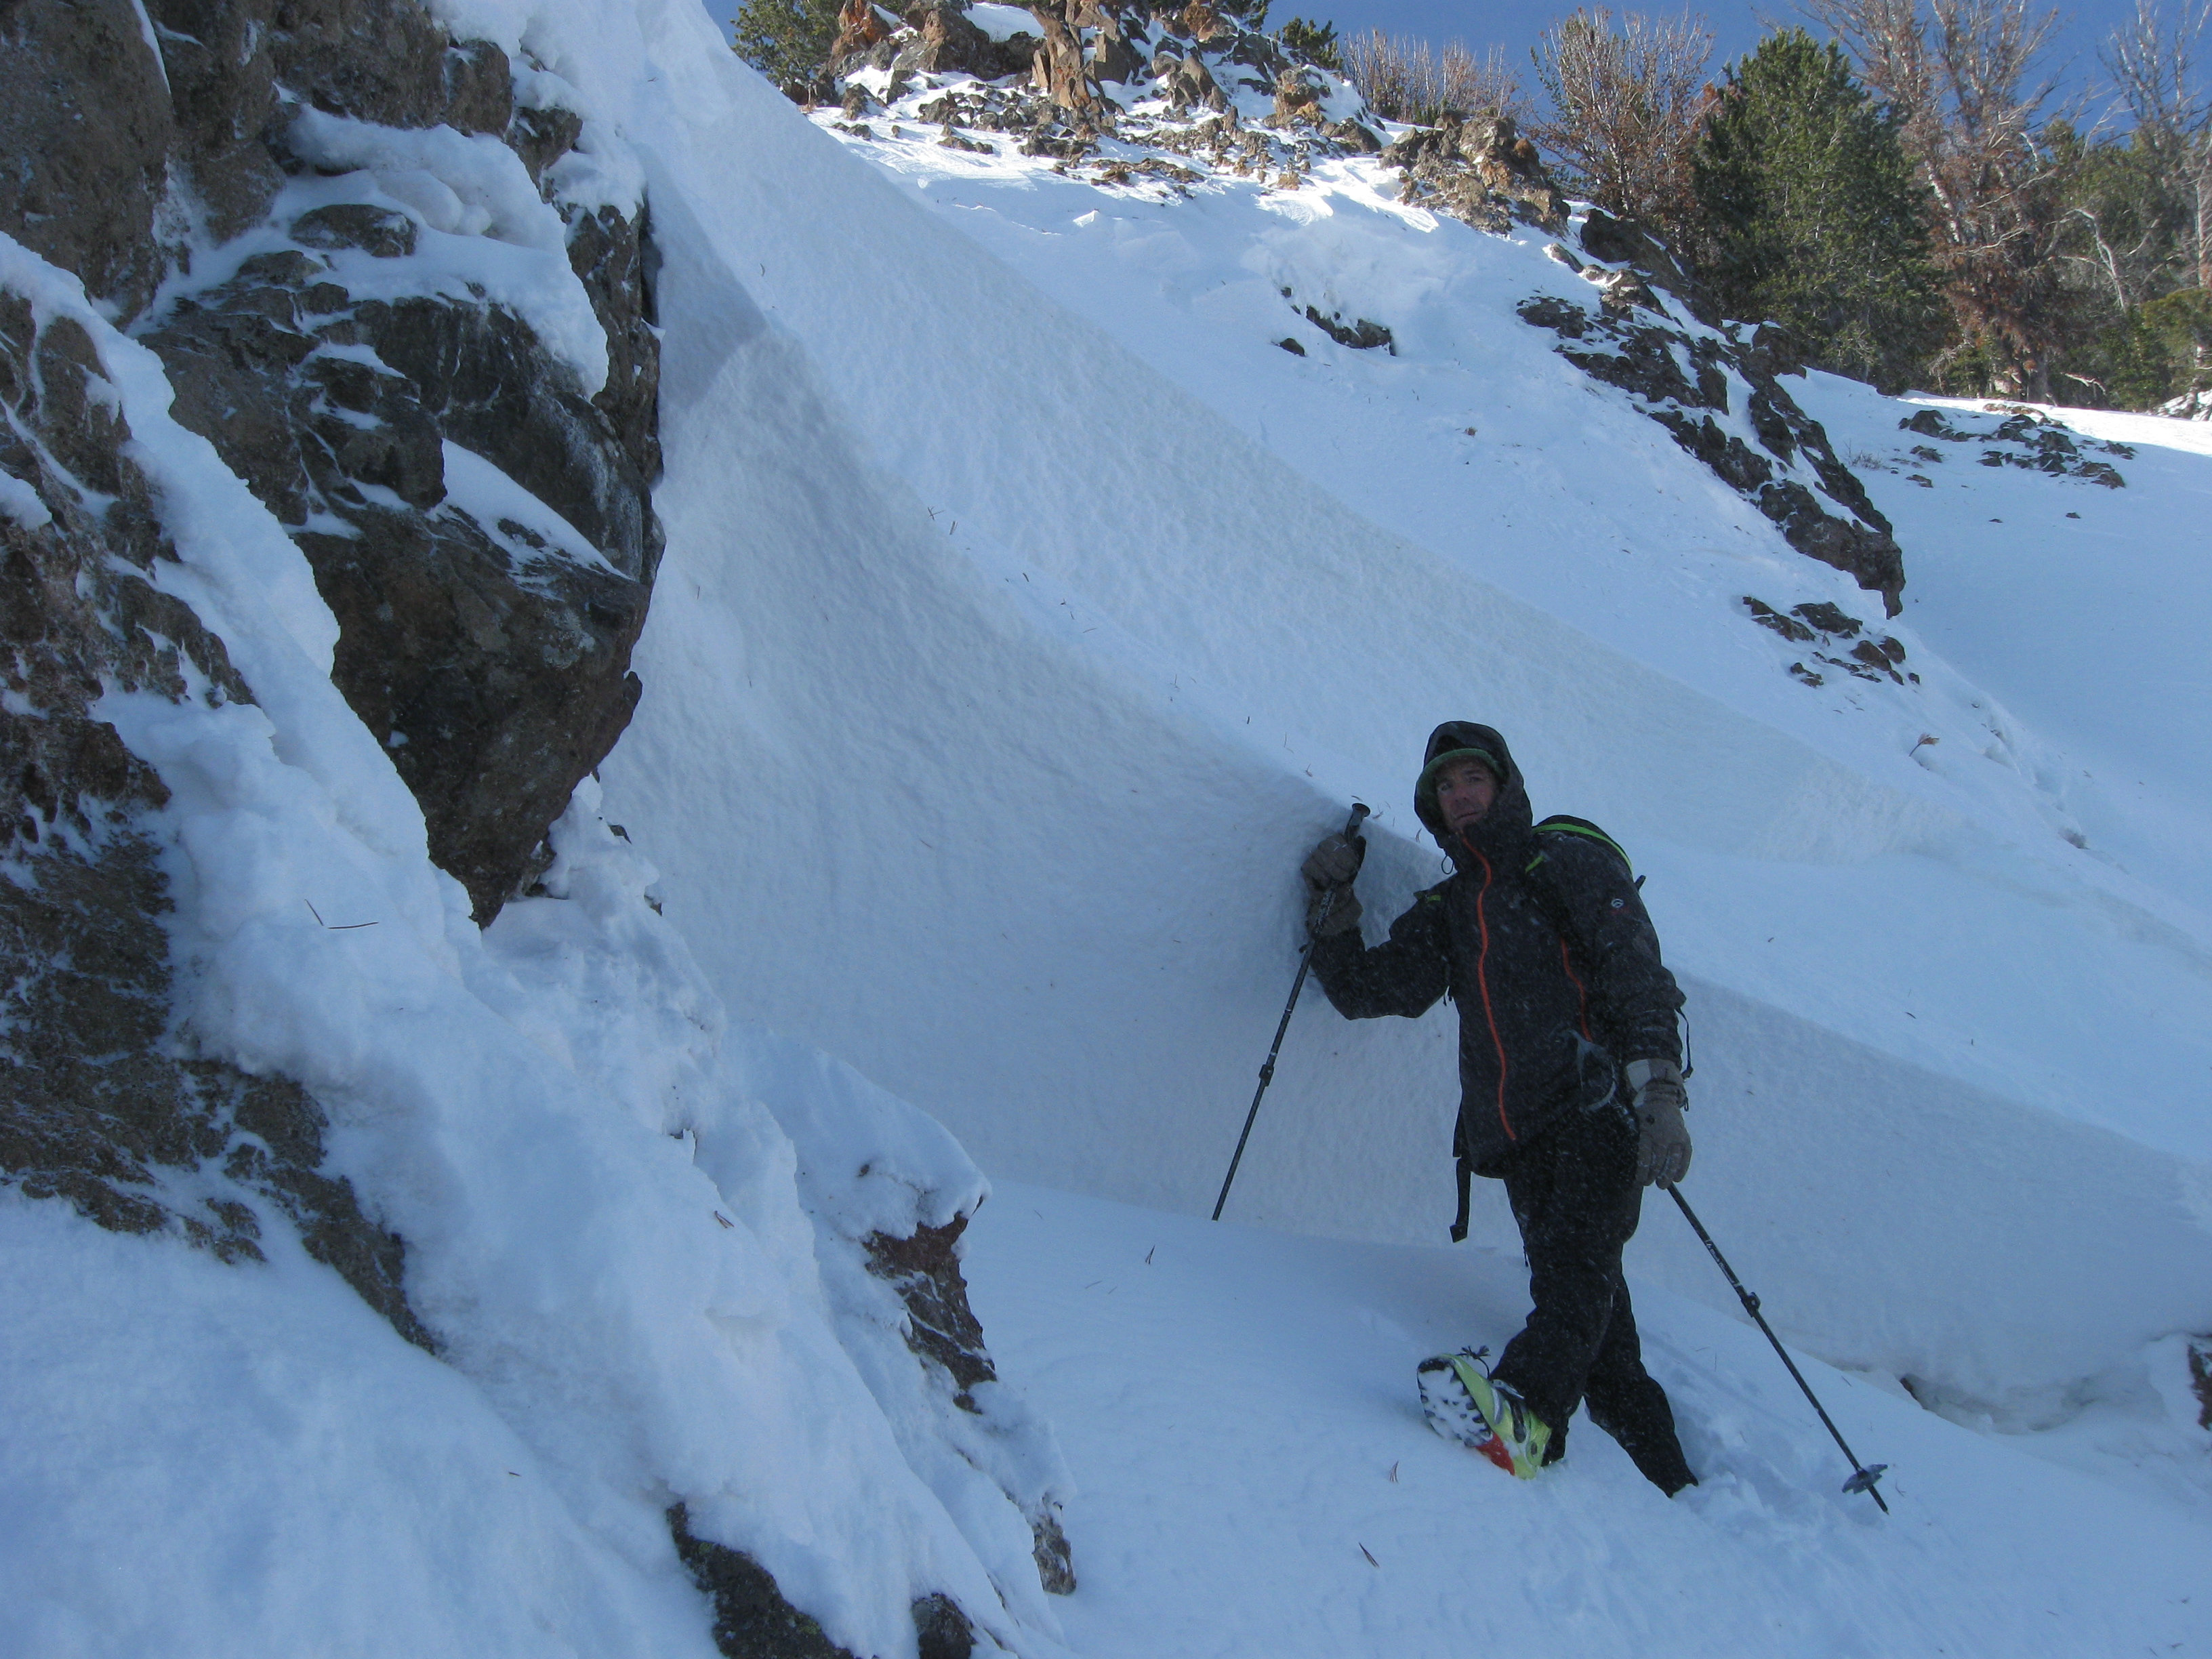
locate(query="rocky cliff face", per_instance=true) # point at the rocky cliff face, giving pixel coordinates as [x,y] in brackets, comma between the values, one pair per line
[468,479]
[403,287]
[307,210]
[101,1102]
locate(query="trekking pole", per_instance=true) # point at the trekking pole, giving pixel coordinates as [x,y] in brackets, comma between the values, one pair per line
[1267,1071]
[1862,1478]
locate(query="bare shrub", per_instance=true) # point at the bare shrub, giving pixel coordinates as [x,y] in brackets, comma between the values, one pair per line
[2153,60]
[1403,78]
[1963,74]
[1628,100]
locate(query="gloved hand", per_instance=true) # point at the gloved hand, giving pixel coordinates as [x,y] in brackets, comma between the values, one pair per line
[1329,868]
[1663,1141]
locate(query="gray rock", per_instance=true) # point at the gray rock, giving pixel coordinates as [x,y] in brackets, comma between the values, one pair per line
[1643,353]
[86,127]
[100,138]
[543,136]
[496,685]
[374,230]
[99,1095]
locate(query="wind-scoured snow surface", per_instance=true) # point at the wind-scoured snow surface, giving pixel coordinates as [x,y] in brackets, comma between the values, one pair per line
[1026,614]
[1052,610]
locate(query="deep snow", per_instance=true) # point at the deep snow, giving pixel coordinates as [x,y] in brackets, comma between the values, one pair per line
[1061,637]
[1026,613]
[1239,1410]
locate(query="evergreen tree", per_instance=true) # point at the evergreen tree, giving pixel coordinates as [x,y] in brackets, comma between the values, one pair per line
[1314,42]
[787,40]
[1811,215]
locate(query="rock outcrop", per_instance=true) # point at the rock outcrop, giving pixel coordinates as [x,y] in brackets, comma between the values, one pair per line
[2024,438]
[1831,629]
[103,1101]
[497,670]
[1479,171]
[1684,377]
[943,1331]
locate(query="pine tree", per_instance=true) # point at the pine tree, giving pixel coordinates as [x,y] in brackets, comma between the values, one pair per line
[787,40]
[1811,215]
[1314,42]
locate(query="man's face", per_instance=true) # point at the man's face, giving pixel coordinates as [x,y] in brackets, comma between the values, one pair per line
[1465,791]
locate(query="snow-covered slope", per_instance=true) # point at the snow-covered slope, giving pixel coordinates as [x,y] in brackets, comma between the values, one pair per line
[637,1241]
[1026,613]
[1244,1395]
[1053,609]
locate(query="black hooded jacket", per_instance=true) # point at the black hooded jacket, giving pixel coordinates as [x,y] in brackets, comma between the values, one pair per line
[1541,940]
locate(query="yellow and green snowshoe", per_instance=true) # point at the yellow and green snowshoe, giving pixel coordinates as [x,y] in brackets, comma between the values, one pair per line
[1463,1403]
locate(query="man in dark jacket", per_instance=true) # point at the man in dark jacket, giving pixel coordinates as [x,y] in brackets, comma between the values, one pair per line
[1571,1087]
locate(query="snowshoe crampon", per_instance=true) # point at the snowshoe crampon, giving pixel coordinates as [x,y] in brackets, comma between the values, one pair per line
[1462,1404]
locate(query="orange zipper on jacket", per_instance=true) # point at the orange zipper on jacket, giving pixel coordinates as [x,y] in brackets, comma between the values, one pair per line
[1482,982]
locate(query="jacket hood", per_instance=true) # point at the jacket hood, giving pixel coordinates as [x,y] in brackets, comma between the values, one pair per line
[1509,822]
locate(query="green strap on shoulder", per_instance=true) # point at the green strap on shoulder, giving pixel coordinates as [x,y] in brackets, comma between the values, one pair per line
[1563,825]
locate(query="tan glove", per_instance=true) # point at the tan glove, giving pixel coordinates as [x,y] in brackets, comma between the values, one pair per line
[1329,869]
[1662,1140]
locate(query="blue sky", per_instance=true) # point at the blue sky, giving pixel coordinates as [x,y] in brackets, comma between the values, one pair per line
[1736,26]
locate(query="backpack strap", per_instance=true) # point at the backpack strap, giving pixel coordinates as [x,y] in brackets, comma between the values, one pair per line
[1466,1181]
[1540,885]
[1561,824]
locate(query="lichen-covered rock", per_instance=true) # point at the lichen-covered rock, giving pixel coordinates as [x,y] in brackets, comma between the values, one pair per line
[1479,171]
[1297,101]
[1059,68]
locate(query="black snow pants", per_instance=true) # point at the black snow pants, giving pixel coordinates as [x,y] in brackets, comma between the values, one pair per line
[1575,1194]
